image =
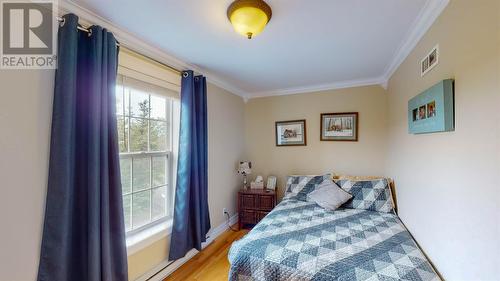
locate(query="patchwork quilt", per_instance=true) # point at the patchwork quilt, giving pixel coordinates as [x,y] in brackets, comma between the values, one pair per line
[301,241]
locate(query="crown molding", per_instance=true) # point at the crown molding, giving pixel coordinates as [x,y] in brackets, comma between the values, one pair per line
[133,42]
[429,13]
[319,87]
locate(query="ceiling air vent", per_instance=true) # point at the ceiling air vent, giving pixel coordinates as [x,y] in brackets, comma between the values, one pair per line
[429,61]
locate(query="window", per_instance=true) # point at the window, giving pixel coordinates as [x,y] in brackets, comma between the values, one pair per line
[145,134]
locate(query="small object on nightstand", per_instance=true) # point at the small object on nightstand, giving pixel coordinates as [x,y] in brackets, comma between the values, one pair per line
[271,182]
[254,205]
[245,168]
[258,183]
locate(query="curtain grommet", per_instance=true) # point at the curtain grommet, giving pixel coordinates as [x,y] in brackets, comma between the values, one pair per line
[90,32]
[185,74]
[62,22]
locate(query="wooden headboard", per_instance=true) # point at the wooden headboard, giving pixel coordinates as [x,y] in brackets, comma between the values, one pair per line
[367,178]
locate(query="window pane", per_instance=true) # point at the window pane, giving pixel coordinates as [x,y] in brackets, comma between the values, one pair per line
[119,99]
[159,171]
[122,125]
[138,134]
[126,211]
[158,108]
[158,135]
[126,101]
[159,202]
[141,204]
[139,103]
[125,175]
[141,170]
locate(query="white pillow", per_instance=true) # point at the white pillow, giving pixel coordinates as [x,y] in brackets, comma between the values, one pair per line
[329,196]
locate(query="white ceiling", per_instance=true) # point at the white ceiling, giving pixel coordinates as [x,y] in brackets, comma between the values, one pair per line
[307,45]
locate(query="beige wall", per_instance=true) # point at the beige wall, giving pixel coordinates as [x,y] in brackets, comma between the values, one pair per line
[226,144]
[25,116]
[448,187]
[365,157]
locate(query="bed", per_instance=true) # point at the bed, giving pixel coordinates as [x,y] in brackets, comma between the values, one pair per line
[302,241]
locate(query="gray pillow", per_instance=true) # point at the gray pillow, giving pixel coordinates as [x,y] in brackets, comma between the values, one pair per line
[294,184]
[329,196]
[373,195]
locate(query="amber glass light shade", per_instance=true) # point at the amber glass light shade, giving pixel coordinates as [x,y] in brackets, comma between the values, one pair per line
[249,17]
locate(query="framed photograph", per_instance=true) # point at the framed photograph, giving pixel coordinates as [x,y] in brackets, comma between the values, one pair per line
[291,133]
[431,109]
[415,114]
[339,126]
[421,113]
[271,183]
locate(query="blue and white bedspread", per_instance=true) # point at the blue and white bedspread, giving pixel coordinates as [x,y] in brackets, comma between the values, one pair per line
[302,241]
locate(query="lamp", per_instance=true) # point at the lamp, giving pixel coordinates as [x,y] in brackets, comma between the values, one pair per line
[249,17]
[245,168]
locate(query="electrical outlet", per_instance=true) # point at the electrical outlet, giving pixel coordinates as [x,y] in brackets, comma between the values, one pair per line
[224,211]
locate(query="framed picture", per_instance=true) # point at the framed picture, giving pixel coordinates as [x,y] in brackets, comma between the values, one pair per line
[271,183]
[291,133]
[339,126]
[432,110]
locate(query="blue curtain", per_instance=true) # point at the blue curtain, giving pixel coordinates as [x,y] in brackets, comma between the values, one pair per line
[191,217]
[83,233]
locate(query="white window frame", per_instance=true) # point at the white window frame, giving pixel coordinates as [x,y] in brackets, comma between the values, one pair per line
[149,155]
[141,68]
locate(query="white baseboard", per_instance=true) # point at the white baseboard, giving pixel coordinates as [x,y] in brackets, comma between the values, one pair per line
[165,268]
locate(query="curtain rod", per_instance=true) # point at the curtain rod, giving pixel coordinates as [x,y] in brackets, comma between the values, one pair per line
[61,20]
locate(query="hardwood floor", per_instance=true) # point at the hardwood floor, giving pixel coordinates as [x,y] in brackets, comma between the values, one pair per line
[211,264]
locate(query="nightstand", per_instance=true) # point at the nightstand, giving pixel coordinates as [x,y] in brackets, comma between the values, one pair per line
[254,204]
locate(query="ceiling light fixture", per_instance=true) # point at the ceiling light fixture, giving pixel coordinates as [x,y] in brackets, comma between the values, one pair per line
[249,17]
